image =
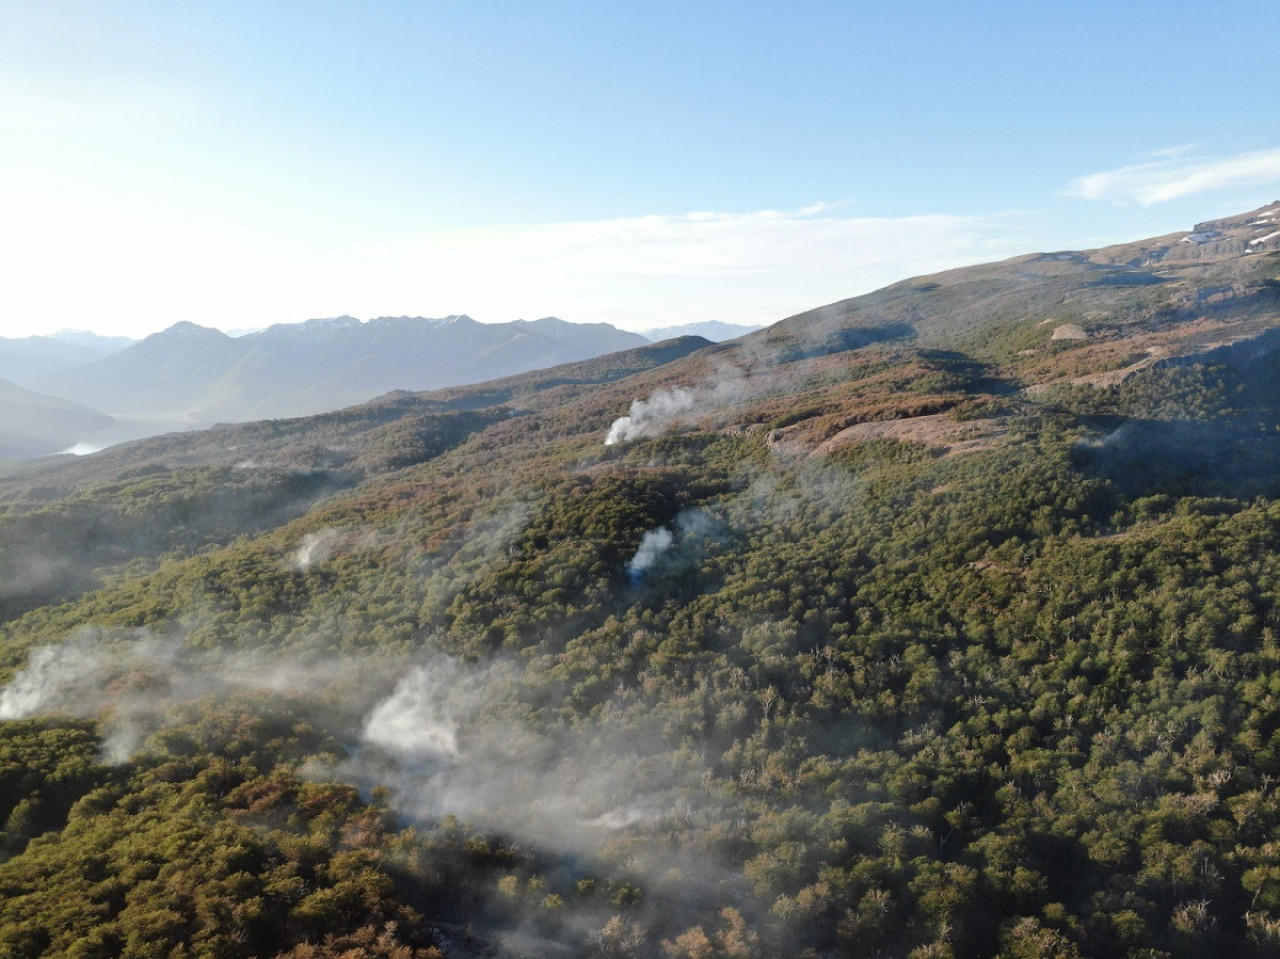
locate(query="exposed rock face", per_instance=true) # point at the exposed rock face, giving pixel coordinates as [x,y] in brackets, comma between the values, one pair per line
[1069,331]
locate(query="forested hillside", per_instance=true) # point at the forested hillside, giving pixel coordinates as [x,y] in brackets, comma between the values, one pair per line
[941,622]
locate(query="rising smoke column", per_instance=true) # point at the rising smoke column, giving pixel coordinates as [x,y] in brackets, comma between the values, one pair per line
[650,417]
[652,546]
[449,740]
[663,551]
[315,548]
[56,678]
[133,680]
[419,717]
[450,737]
[128,680]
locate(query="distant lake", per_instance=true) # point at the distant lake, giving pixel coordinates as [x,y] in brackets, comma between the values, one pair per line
[82,449]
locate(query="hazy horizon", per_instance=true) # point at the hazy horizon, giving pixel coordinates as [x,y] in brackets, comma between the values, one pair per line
[235,332]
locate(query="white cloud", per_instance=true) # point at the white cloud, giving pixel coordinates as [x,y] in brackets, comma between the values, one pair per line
[1182,149]
[752,267]
[705,244]
[1173,175]
[138,271]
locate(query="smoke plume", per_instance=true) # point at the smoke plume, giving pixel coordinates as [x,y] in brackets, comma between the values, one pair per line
[650,417]
[653,416]
[450,738]
[132,680]
[55,680]
[420,717]
[481,742]
[315,548]
[652,546]
[663,551]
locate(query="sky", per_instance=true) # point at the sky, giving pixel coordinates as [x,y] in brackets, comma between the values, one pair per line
[239,164]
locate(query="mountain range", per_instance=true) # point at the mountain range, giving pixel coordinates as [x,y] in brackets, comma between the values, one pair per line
[33,357]
[294,369]
[939,621]
[188,375]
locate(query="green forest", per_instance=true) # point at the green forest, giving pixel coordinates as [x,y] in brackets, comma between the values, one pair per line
[857,645]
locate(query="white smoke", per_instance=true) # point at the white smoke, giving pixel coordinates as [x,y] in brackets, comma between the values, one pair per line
[419,717]
[652,545]
[650,417]
[446,741]
[55,680]
[449,738]
[662,550]
[1119,437]
[123,681]
[132,681]
[315,548]
[125,734]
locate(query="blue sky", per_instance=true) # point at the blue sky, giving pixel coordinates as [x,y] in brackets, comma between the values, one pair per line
[238,164]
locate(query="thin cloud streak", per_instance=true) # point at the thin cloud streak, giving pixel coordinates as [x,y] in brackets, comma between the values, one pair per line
[712,244]
[1174,176]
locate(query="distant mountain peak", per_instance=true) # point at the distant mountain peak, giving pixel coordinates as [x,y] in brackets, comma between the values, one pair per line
[309,327]
[714,330]
[549,321]
[330,322]
[186,328]
[453,319]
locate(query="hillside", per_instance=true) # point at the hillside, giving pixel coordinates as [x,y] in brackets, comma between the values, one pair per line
[1214,276]
[32,424]
[941,621]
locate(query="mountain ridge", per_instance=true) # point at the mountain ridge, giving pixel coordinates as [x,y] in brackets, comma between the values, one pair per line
[205,375]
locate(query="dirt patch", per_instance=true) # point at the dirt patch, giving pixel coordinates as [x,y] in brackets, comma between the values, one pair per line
[936,429]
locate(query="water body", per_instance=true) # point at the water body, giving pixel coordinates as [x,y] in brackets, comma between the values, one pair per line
[82,449]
